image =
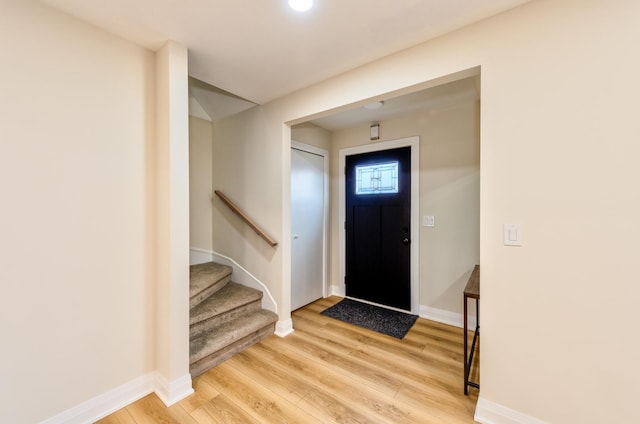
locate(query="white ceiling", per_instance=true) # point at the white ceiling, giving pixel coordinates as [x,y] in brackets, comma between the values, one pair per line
[260,50]
[432,99]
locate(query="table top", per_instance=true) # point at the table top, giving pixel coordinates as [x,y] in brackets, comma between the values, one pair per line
[472,289]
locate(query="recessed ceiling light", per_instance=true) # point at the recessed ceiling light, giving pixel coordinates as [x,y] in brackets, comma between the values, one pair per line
[300,5]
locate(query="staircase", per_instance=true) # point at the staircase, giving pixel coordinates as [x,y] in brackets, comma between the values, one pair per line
[225,317]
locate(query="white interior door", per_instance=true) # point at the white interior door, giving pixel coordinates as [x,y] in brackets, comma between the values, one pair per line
[307,226]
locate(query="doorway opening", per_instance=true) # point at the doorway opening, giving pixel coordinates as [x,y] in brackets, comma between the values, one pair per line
[379,216]
[444,115]
[377,227]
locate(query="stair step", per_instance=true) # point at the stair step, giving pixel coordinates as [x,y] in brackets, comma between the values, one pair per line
[228,303]
[220,342]
[206,279]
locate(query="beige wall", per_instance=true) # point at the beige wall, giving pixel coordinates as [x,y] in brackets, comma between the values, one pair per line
[77,126]
[200,180]
[312,135]
[558,151]
[449,190]
[244,161]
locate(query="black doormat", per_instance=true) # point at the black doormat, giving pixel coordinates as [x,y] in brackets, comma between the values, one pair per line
[392,323]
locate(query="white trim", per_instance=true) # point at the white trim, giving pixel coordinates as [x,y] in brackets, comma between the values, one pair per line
[446,317]
[284,328]
[109,402]
[414,143]
[325,210]
[240,274]
[380,305]
[172,392]
[488,412]
[309,148]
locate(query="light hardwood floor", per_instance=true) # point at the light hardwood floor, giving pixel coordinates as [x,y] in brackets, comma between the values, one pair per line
[327,371]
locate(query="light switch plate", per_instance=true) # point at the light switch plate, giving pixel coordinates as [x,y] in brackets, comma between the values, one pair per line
[428,221]
[512,234]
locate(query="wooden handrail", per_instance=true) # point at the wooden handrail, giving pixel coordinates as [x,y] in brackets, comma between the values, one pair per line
[259,231]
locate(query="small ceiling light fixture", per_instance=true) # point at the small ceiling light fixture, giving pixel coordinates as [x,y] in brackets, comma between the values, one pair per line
[300,5]
[374,105]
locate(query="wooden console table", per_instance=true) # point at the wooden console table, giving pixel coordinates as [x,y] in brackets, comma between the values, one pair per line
[472,290]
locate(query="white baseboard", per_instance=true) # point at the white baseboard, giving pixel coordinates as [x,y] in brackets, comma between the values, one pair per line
[284,328]
[488,412]
[240,274]
[107,403]
[446,317]
[172,392]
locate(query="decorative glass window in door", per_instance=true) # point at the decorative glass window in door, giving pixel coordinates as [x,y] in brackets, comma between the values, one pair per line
[380,178]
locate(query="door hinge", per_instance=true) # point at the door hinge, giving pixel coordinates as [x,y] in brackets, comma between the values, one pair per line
[345,280]
[345,225]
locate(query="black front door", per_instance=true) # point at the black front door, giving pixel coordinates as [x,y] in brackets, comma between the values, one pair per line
[378,227]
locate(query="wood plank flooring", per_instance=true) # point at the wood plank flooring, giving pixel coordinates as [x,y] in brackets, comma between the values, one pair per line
[327,371]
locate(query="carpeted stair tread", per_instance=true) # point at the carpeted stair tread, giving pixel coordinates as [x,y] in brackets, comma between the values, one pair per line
[206,279]
[232,299]
[225,317]
[221,336]
[208,362]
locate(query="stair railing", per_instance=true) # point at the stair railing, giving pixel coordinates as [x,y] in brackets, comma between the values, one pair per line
[255,227]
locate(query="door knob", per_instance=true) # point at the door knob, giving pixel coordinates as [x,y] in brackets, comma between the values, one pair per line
[405,240]
[295,236]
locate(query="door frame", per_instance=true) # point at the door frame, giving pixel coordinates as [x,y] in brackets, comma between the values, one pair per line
[414,143]
[325,207]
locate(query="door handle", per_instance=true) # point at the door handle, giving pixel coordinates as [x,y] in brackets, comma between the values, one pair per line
[406,240]
[295,236]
